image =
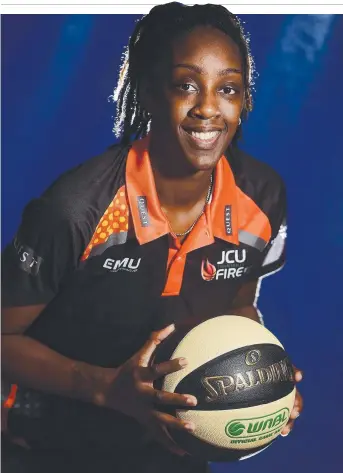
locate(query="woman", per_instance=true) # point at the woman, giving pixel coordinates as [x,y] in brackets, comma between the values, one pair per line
[169,228]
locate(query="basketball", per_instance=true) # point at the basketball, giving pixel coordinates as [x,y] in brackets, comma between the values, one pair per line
[243,381]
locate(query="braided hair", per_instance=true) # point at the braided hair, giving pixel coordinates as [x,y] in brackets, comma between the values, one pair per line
[147,46]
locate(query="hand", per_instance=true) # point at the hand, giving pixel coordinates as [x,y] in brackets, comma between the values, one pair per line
[132,392]
[298,405]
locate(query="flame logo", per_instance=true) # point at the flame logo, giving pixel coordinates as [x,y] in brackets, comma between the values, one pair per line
[208,270]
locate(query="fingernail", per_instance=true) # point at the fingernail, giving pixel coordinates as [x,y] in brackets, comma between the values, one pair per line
[295,414]
[189,426]
[171,327]
[285,435]
[183,362]
[191,400]
[298,376]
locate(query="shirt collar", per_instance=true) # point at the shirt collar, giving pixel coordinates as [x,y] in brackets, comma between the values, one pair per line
[220,218]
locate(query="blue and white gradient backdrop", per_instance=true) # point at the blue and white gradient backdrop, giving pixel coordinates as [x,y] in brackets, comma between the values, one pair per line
[57,74]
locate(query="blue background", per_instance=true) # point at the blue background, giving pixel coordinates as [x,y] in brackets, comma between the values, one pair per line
[57,74]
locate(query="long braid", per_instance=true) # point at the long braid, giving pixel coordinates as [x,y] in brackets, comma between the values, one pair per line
[130,117]
[150,40]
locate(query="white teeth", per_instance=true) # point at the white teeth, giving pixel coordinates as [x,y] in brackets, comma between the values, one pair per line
[210,135]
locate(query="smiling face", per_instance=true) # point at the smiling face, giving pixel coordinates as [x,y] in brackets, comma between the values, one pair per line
[197,100]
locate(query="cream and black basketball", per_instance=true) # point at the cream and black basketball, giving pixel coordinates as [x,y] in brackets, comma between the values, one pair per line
[243,380]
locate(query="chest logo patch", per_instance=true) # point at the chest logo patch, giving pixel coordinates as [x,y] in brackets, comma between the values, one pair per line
[126,264]
[231,265]
[208,270]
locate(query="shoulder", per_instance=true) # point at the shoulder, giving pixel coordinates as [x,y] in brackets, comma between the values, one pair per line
[85,189]
[260,189]
[253,176]
[258,180]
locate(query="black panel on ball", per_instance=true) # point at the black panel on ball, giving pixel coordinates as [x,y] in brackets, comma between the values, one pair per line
[246,377]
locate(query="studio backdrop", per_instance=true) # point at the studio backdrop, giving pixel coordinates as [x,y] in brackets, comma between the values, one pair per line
[58,72]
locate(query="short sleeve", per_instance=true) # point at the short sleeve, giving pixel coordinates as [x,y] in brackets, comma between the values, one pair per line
[273,256]
[275,253]
[45,250]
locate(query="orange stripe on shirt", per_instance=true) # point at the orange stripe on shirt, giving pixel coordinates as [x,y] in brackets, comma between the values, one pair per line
[114,220]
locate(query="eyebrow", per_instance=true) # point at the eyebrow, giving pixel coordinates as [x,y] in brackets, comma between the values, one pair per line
[199,70]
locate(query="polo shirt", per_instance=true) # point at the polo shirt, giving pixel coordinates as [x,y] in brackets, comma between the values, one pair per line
[97,249]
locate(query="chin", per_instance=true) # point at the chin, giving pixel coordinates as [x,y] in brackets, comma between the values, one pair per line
[203,159]
[204,162]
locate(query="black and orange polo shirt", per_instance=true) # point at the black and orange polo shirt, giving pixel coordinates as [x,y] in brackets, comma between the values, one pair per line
[97,249]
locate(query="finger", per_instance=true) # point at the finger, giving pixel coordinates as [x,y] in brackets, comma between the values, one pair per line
[146,352]
[298,406]
[166,398]
[286,430]
[166,440]
[298,374]
[294,414]
[160,434]
[155,371]
[298,402]
[162,334]
[172,422]
[170,366]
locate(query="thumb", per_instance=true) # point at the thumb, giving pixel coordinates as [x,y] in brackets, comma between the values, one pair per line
[146,352]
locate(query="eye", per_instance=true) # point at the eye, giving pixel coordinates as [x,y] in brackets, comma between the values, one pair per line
[186,87]
[228,90]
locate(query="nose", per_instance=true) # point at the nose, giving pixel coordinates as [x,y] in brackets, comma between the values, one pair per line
[207,107]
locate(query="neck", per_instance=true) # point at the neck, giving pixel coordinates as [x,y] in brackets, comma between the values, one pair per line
[182,192]
[178,185]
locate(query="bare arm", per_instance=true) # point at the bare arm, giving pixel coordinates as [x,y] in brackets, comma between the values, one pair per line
[30,363]
[128,389]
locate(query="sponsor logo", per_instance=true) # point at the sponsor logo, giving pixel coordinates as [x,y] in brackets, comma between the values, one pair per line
[208,270]
[283,231]
[252,357]
[233,256]
[143,210]
[235,429]
[29,261]
[227,219]
[230,266]
[258,427]
[222,387]
[126,264]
